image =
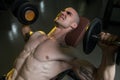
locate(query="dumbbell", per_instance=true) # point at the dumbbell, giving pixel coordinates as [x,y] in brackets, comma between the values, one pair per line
[25,11]
[91,38]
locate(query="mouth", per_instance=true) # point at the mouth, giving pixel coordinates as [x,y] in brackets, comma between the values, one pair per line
[60,16]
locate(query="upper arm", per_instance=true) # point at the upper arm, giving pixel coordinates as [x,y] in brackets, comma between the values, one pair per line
[26,32]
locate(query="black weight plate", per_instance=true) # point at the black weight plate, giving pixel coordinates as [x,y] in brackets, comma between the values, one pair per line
[21,12]
[90,42]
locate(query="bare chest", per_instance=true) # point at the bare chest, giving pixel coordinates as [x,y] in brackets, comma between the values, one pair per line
[49,50]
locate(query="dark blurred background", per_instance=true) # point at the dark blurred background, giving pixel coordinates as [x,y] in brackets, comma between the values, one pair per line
[11,40]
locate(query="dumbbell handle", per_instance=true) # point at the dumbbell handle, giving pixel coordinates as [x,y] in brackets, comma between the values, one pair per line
[117,43]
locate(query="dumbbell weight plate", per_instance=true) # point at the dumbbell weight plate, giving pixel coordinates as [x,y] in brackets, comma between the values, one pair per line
[27,13]
[89,42]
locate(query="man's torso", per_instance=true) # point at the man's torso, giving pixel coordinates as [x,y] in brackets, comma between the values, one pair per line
[44,61]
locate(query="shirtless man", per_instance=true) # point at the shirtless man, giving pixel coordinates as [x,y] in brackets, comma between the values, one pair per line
[44,56]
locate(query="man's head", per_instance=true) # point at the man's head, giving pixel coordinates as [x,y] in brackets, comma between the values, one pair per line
[67,18]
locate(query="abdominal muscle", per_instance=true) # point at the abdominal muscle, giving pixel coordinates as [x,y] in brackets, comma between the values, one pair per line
[35,70]
[43,63]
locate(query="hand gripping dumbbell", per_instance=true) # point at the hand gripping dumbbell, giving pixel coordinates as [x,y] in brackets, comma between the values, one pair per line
[91,38]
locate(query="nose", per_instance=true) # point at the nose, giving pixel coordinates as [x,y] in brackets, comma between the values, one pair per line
[63,12]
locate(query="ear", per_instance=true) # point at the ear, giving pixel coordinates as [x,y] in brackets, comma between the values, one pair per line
[74,25]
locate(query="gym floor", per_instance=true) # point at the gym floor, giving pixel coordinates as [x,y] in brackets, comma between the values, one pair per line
[12,41]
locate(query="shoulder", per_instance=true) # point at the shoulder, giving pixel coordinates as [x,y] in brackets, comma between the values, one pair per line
[37,33]
[32,35]
[42,32]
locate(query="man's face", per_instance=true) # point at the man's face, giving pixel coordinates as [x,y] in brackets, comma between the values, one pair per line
[66,17]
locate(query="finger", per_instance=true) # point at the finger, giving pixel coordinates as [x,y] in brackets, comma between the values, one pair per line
[102,34]
[106,36]
[114,38]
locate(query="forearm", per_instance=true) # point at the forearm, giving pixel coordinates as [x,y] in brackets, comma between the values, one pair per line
[26,32]
[106,70]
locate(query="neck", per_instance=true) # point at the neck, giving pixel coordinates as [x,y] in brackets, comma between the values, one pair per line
[59,33]
[56,33]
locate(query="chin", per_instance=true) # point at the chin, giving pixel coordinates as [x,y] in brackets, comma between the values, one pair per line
[56,22]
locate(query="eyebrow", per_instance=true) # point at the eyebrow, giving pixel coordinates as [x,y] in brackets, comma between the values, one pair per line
[68,11]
